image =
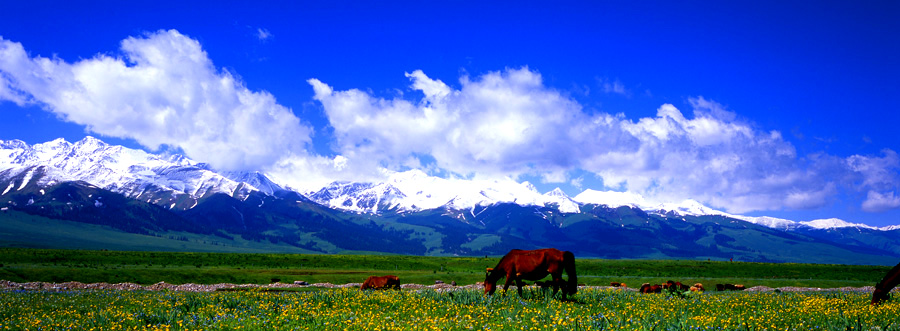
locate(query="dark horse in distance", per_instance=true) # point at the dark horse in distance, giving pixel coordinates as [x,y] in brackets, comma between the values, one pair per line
[884,287]
[519,265]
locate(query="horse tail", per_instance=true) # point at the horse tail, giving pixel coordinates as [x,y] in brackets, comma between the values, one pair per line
[569,265]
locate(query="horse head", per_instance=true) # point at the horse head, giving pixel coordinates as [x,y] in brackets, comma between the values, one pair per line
[880,294]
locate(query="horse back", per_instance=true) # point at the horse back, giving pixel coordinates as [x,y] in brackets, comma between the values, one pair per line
[532,263]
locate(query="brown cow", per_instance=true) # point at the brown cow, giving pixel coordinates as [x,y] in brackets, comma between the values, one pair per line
[381,283]
[519,265]
[697,288]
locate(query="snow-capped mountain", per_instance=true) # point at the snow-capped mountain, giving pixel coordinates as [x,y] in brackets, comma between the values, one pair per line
[820,224]
[173,181]
[415,190]
[695,208]
[628,199]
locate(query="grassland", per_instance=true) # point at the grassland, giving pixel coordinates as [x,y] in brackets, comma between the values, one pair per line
[88,266]
[425,309]
[349,309]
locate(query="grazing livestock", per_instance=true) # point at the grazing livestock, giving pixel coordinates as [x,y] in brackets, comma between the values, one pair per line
[730,287]
[617,284]
[671,287]
[674,286]
[519,265]
[381,283]
[884,287]
[647,288]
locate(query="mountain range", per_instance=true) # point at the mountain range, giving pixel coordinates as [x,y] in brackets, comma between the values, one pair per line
[89,194]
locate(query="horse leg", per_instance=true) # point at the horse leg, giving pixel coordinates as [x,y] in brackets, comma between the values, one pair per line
[556,283]
[519,286]
[509,280]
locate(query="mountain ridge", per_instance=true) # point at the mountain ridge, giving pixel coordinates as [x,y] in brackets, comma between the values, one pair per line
[135,172]
[171,196]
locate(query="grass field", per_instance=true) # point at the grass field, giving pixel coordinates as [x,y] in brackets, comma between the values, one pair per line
[47,265]
[350,309]
[426,309]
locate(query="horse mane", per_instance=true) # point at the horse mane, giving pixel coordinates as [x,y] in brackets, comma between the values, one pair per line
[498,271]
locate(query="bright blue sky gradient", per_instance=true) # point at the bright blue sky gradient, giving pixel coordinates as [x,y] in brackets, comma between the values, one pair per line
[823,75]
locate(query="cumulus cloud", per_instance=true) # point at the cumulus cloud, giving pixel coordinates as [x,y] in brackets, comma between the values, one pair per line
[880,176]
[725,164]
[165,90]
[878,202]
[497,124]
[508,123]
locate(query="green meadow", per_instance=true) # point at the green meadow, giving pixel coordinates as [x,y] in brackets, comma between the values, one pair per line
[90,266]
[423,309]
[467,309]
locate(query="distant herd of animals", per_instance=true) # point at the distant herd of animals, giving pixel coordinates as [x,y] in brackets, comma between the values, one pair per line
[533,265]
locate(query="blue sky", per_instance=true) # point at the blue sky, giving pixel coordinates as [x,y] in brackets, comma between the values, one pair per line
[761,108]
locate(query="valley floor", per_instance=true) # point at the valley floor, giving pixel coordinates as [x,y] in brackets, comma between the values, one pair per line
[190,287]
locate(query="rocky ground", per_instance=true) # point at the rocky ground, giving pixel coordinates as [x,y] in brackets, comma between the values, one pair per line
[69,286]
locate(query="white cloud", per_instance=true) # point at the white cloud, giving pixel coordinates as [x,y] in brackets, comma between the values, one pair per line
[263,34]
[500,123]
[509,124]
[165,91]
[615,87]
[877,172]
[880,176]
[878,202]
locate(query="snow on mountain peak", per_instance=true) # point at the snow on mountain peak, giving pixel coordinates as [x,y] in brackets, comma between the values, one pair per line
[557,192]
[770,222]
[689,207]
[562,201]
[832,223]
[159,178]
[611,198]
[529,186]
[13,144]
[415,190]
[133,173]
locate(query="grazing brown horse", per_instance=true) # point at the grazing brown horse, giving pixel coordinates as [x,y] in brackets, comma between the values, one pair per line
[519,265]
[647,288]
[884,287]
[381,283]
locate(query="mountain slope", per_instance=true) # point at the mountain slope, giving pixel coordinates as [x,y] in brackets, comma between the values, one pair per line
[172,181]
[414,190]
[141,194]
